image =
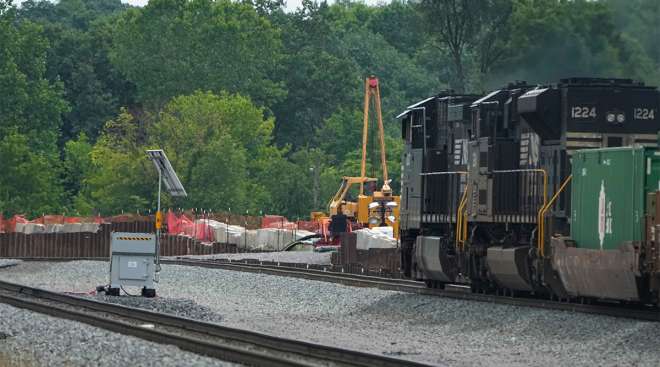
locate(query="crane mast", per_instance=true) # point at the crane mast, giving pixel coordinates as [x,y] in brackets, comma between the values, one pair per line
[372,90]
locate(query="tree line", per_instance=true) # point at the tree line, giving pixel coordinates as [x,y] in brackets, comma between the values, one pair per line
[260,109]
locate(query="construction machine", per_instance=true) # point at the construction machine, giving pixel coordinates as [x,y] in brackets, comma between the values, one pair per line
[378,208]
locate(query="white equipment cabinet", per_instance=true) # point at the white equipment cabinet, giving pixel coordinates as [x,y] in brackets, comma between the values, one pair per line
[133,262]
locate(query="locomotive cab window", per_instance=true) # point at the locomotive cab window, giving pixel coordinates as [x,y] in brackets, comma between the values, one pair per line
[405,129]
[417,136]
[417,131]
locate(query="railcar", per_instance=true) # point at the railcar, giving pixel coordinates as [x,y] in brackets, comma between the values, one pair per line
[503,191]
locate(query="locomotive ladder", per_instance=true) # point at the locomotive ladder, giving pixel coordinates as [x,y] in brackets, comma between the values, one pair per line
[541,217]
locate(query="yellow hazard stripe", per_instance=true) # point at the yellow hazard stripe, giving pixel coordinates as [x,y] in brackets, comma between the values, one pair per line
[135,238]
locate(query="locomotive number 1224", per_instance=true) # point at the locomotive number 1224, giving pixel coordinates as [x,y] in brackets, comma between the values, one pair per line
[644,114]
[583,112]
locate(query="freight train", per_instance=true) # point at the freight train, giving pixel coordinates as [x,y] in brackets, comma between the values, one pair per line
[547,190]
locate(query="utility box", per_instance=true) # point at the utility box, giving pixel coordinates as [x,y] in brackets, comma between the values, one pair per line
[132,262]
[608,194]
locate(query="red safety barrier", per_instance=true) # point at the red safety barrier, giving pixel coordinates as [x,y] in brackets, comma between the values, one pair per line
[173,223]
[10,224]
[277,221]
[61,219]
[186,226]
[307,225]
[126,218]
[49,219]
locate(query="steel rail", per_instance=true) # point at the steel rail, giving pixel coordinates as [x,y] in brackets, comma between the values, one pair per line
[191,335]
[407,286]
[314,274]
[349,279]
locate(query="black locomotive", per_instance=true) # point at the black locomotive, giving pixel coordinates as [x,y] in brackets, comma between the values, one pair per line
[486,199]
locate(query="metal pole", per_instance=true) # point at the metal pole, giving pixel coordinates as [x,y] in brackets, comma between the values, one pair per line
[365,133]
[160,180]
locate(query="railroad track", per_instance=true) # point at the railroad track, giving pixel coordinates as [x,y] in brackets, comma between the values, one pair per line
[227,344]
[408,286]
[402,285]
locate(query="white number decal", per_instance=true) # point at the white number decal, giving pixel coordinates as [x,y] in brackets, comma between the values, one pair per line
[583,112]
[644,114]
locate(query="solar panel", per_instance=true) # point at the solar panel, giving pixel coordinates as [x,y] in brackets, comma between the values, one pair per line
[172,183]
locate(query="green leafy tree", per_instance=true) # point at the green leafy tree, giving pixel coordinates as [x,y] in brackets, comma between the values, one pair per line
[331,49]
[121,177]
[77,165]
[78,14]
[174,47]
[400,25]
[28,184]
[222,144]
[563,39]
[30,103]
[217,180]
[319,76]
[79,34]
[76,61]
[638,21]
[462,28]
[30,118]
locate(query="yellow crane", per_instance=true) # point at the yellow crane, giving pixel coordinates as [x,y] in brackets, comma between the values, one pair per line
[381,207]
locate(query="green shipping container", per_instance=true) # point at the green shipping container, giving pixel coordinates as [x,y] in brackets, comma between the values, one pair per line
[608,194]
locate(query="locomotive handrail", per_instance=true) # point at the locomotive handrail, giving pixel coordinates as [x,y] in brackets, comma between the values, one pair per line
[537,170]
[459,217]
[541,217]
[443,173]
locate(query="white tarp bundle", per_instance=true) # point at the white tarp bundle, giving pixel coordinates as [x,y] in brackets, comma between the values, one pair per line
[31,228]
[54,228]
[71,227]
[377,237]
[277,238]
[236,235]
[222,232]
[89,227]
[267,239]
[230,234]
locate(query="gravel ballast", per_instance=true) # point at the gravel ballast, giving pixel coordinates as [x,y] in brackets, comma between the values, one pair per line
[33,339]
[177,306]
[424,328]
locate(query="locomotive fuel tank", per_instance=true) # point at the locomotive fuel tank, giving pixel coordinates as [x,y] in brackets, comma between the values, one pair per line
[435,259]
